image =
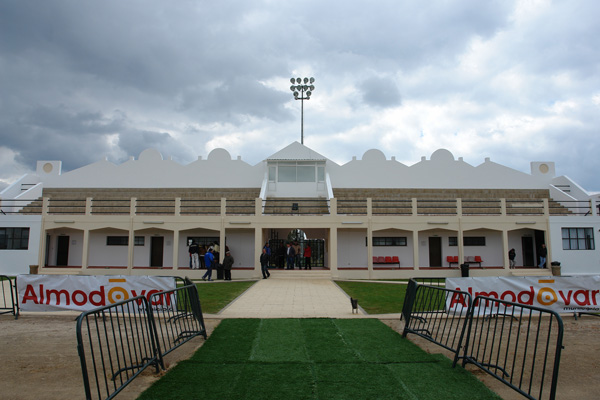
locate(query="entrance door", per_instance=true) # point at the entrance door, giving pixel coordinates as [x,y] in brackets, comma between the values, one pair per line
[156,251]
[435,251]
[528,254]
[62,251]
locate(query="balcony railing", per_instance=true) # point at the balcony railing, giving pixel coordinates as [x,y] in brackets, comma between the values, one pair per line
[299,206]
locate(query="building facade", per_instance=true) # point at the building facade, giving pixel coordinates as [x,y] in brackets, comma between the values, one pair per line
[371,218]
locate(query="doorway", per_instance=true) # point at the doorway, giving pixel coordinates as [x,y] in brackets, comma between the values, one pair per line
[156,251]
[435,251]
[528,254]
[62,251]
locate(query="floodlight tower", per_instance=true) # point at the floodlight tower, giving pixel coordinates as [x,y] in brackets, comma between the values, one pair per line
[302,92]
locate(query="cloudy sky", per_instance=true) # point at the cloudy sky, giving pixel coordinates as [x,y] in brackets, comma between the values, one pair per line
[516,81]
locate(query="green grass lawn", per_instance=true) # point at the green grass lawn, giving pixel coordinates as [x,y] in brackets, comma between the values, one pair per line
[215,296]
[376,298]
[313,359]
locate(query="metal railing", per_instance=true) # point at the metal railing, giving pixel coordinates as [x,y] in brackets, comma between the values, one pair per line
[295,206]
[520,345]
[200,207]
[481,207]
[177,317]
[111,206]
[118,342]
[352,207]
[9,303]
[345,206]
[19,206]
[425,314]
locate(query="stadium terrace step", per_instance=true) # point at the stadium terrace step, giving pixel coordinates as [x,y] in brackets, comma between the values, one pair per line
[300,274]
[531,272]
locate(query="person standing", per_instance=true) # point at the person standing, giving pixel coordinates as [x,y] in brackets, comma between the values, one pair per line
[209,259]
[201,254]
[264,264]
[307,256]
[543,253]
[511,257]
[291,254]
[298,252]
[194,260]
[227,265]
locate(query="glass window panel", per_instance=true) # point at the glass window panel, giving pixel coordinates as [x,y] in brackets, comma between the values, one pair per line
[321,174]
[272,174]
[287,173]
[306,173]
[565,243]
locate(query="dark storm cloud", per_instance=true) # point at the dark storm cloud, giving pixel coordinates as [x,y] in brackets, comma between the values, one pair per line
[111,78]
[380,92]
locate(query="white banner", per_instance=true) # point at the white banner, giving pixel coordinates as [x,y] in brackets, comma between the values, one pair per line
[83,293]
[561,294]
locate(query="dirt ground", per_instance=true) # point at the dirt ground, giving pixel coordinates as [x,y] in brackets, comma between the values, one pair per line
[40,361]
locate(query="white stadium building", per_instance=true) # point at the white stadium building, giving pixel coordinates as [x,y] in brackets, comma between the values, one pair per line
[371,218]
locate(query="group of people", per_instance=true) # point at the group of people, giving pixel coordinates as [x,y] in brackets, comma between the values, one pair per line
[293,255]
[289,255]
[542,254]
[201,257]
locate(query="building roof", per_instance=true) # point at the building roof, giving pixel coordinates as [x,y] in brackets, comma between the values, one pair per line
[296,152]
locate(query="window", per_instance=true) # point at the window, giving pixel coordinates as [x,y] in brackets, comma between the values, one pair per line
[14,238]
[305,173]
[389,241]
[474,241]
[578,239]
[320,174]
[124,240]
[287,173]
[298,172]
[272,174]
[202,240]
[467,241]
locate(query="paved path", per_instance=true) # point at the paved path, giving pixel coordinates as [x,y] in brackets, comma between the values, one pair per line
[292,294]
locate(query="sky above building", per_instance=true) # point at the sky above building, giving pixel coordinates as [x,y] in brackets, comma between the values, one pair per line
[516,81]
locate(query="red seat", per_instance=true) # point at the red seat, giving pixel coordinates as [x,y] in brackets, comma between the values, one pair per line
[374,260]
[450,259]
[478,259]
[455,259]
[396,260]
[380,260]
[388,260]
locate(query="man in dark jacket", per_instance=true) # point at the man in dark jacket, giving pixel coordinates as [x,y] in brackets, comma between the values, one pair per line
[264,264]
[291,255]
[542,253]
[227,264]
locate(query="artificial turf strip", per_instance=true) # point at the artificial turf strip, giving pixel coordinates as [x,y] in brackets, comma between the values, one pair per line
[313,359]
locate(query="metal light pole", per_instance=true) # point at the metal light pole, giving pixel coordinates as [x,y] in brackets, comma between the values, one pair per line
[302,92]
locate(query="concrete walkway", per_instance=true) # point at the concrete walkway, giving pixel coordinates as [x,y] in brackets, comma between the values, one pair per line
[292,294]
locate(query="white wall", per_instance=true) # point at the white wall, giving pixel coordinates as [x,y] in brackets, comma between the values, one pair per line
[101,255]
[404,253]
[75,245]
[241,245]
[575,262]
[14,262]
[352,251]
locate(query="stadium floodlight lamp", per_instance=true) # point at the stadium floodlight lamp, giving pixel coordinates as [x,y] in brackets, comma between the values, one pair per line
[302,92]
